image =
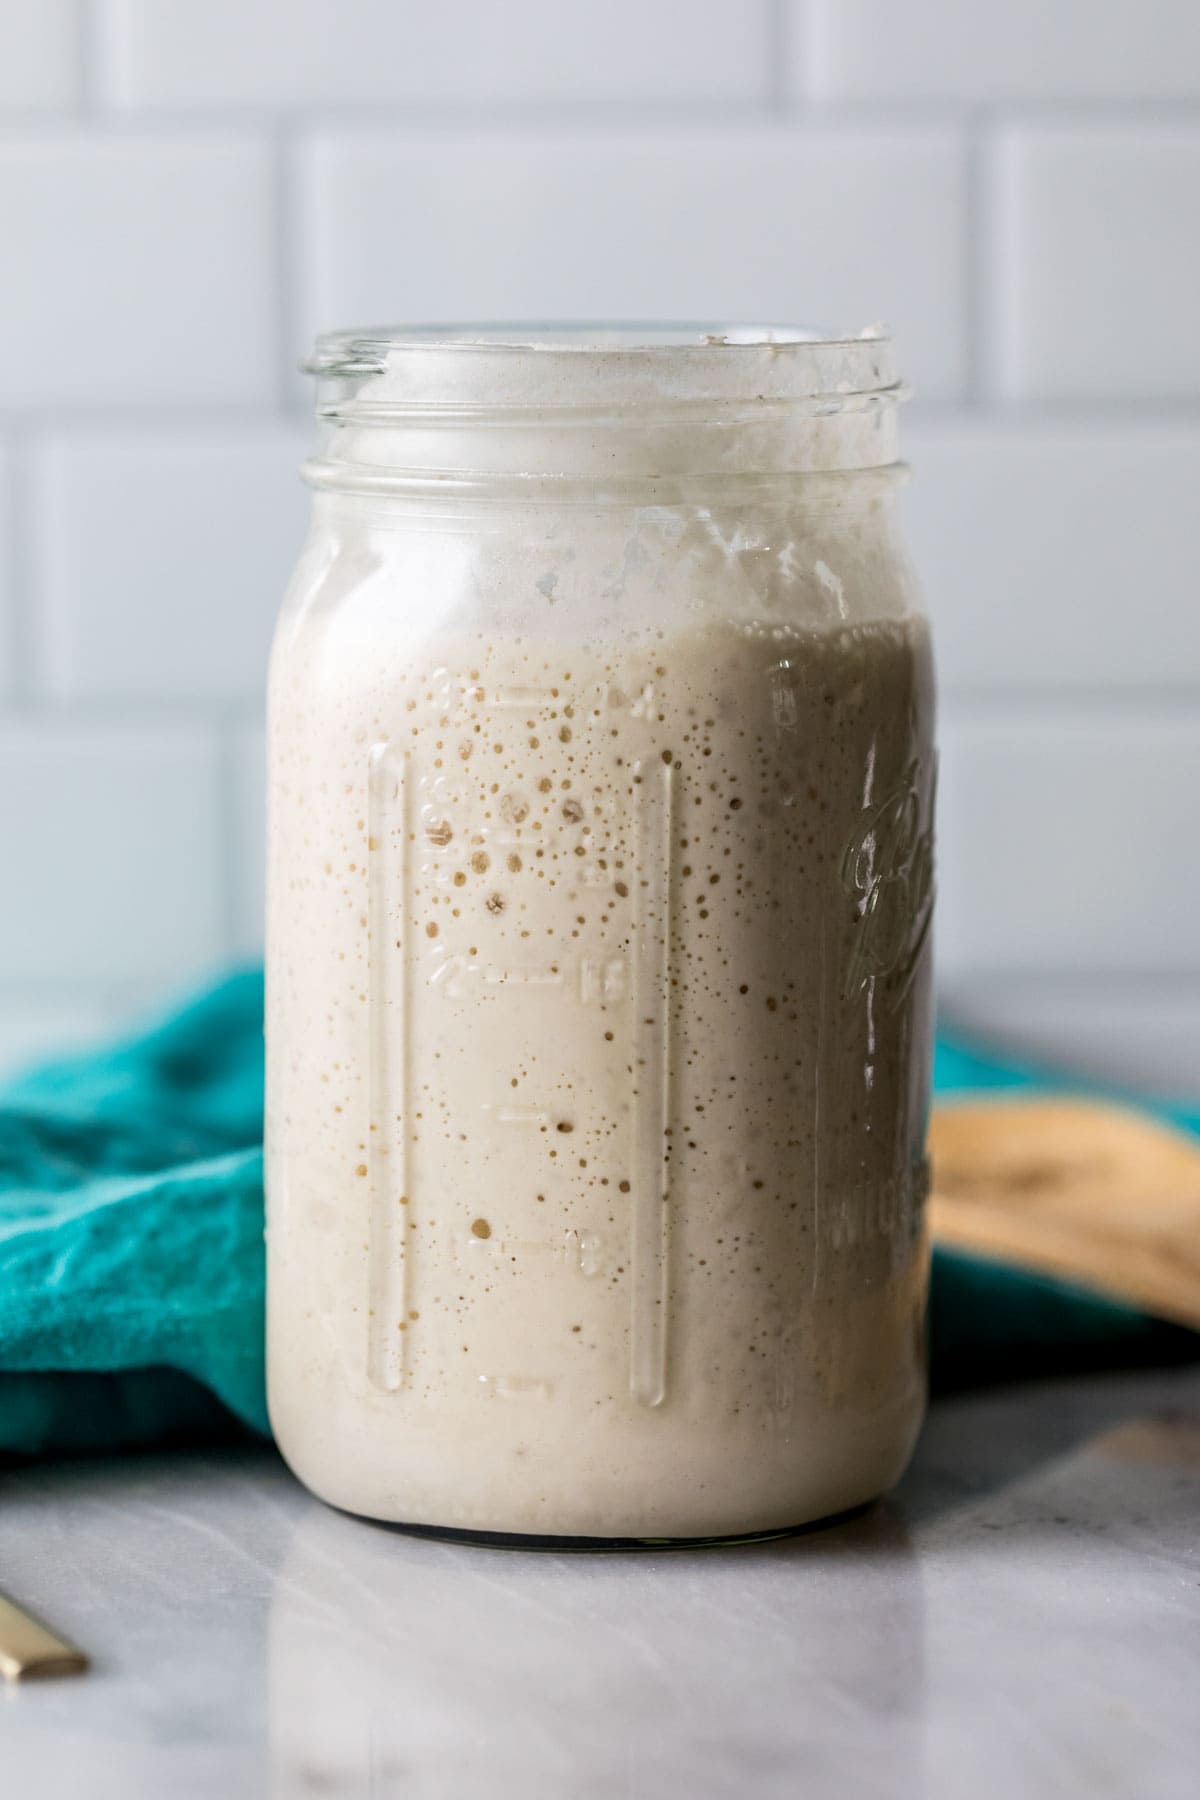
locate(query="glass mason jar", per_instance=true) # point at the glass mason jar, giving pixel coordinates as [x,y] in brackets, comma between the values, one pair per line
[601,874]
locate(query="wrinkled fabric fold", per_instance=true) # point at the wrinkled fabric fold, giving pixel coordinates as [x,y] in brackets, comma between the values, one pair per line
[131,1252]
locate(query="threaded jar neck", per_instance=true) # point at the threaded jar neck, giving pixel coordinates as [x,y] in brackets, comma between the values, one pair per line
[614,404]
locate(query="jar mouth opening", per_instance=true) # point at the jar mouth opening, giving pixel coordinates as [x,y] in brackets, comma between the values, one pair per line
[573,364]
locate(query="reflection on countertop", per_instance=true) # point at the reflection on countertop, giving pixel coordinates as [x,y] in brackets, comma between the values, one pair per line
[1021,1618]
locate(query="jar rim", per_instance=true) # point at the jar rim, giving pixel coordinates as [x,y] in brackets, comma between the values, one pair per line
[573,363]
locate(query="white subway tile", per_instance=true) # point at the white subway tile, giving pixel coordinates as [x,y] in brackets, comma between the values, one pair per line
[1143,1034]
[136,270]
[249,839]
[1058,556]
[7,597]
[298,52]
[112,852]
[38,1028]
[39,56]
[1096,262]
[976,50]
[161,559]
[838,226]
[1068,845]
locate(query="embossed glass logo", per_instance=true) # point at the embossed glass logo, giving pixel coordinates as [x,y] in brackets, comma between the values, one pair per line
[888,867]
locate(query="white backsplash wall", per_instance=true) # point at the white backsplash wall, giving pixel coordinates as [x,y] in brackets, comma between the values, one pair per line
[190,188]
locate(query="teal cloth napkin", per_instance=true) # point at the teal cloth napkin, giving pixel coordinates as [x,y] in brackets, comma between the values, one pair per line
[131,1254]
[131,1236]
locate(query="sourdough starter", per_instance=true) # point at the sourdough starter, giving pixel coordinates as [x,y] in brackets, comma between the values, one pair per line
[598,1020]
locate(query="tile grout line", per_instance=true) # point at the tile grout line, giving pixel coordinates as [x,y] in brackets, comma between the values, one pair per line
[778,91]
[404,119]
[85,56]
[286,247]
[610,115]
[978,261]
[19,515]
[113,710]
[1128,986]
[603,116]
[1146,707]
[88,57]
[9,581]
[228,824]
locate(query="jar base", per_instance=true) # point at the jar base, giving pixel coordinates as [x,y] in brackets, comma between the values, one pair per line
[710,1491]
[516,1540]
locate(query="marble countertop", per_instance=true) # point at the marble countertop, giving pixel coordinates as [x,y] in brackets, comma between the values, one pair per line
[1020,1621]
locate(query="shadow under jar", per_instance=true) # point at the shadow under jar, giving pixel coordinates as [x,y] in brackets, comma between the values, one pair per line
[598,975]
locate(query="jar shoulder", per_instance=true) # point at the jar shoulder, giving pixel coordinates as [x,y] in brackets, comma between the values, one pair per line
[373,589]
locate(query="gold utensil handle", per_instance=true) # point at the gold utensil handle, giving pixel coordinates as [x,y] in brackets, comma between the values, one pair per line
[29,1648]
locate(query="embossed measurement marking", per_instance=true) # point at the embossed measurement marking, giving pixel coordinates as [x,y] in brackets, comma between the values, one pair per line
[601,979]
[549,976]
[516,1387]
[579,1248]
[531,698]
[652,797]
[390,1062]
[536,1116]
